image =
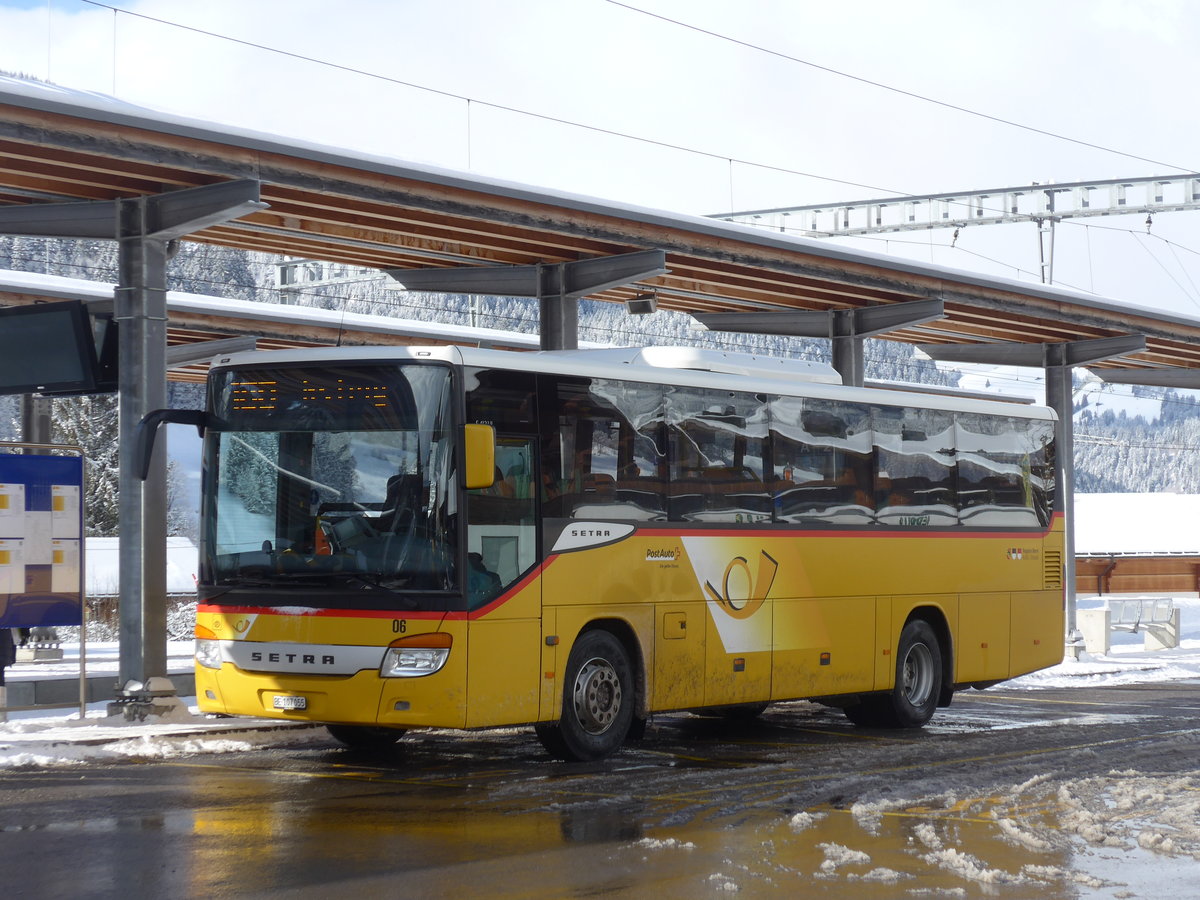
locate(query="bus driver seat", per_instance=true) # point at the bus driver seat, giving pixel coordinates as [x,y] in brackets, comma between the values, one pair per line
[400,502]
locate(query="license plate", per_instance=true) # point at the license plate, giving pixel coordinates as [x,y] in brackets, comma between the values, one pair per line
[282,702]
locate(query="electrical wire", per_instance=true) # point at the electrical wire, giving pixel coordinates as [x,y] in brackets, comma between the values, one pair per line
[887,87]
[625,135]
[1166,271]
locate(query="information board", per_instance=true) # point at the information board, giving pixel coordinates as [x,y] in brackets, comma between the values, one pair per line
[41,540]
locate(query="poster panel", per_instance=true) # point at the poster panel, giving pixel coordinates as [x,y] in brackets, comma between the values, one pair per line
[41,540]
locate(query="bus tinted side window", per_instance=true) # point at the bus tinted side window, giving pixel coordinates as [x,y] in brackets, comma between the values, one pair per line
[717,443]
[822,467]
[604,458]
[915,472]
[995,471]
[1040,447]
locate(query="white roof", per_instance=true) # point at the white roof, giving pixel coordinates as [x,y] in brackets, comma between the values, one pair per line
[1137,524]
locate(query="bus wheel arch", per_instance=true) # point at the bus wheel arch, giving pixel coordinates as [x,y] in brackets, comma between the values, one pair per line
[602,689]
[941,629]
[922,681]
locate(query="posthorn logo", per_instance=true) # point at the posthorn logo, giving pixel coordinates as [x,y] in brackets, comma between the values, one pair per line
[742,601]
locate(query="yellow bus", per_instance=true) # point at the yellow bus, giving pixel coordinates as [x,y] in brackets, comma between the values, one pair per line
[574,540]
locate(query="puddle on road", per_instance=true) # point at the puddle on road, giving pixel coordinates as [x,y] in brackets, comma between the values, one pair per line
[1085,843]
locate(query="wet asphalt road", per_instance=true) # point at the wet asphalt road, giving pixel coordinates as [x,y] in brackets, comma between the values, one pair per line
[701,807]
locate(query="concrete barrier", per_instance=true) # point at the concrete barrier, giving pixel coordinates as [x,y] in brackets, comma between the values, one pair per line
[52,692]
[1157,618]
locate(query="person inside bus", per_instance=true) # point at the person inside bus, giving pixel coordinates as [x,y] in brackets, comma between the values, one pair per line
[400,502]
[502,486]
[482,583]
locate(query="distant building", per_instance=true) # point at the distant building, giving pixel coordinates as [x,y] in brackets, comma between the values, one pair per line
[103,569]
[1137,543]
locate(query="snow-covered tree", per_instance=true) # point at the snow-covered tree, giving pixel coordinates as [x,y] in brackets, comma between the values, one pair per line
[90,423]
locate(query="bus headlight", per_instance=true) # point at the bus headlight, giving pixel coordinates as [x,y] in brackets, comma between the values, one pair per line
[208,648]
[420,654]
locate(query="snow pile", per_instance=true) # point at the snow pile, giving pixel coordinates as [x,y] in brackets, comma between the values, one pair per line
[803,820]
[1158,814]
[665,843]
[182,731]
[723,883]
[837,855]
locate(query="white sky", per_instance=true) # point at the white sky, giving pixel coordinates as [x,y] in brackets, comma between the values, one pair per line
[1106,72]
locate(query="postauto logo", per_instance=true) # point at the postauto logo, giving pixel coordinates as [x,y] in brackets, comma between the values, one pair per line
[742,591]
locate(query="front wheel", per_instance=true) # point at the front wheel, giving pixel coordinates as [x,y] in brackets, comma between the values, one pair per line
[598,701]
[913,700]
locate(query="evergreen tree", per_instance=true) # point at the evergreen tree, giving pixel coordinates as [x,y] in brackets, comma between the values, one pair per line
[255,457]
[182,518]
[90,423]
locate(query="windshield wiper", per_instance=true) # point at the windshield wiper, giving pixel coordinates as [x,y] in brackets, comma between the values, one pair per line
[319,579]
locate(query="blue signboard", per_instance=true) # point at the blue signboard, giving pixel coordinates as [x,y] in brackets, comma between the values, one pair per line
[41,540]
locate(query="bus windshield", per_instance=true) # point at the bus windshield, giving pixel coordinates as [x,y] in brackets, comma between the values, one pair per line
[334,485]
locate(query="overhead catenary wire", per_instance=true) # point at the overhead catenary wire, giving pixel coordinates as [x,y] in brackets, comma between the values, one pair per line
[900,91]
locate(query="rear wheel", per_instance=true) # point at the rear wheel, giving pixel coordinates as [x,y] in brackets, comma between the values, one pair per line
[365,737]
[913,700]
[598,701]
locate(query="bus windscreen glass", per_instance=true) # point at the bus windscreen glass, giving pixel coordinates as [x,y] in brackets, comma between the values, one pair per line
[334,483]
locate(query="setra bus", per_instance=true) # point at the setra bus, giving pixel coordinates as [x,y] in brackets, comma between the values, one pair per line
[399,538]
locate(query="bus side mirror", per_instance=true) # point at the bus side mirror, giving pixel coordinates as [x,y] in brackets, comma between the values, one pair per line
[147,430]
[479,441]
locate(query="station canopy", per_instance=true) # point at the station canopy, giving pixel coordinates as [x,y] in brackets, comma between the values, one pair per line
[329,204]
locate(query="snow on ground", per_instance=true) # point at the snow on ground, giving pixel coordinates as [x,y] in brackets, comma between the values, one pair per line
[67,740]
[59,737]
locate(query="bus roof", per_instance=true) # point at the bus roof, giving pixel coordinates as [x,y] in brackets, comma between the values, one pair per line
[679,366]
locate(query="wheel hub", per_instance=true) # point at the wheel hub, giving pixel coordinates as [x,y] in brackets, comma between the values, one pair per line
[918,675]
[597,696]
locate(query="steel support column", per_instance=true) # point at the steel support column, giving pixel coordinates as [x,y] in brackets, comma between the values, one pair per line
[1060,396]
[141,317]
[558,322]
[846,347]
[35,420]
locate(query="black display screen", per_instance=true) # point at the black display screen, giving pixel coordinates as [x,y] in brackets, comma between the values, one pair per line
[46,348]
